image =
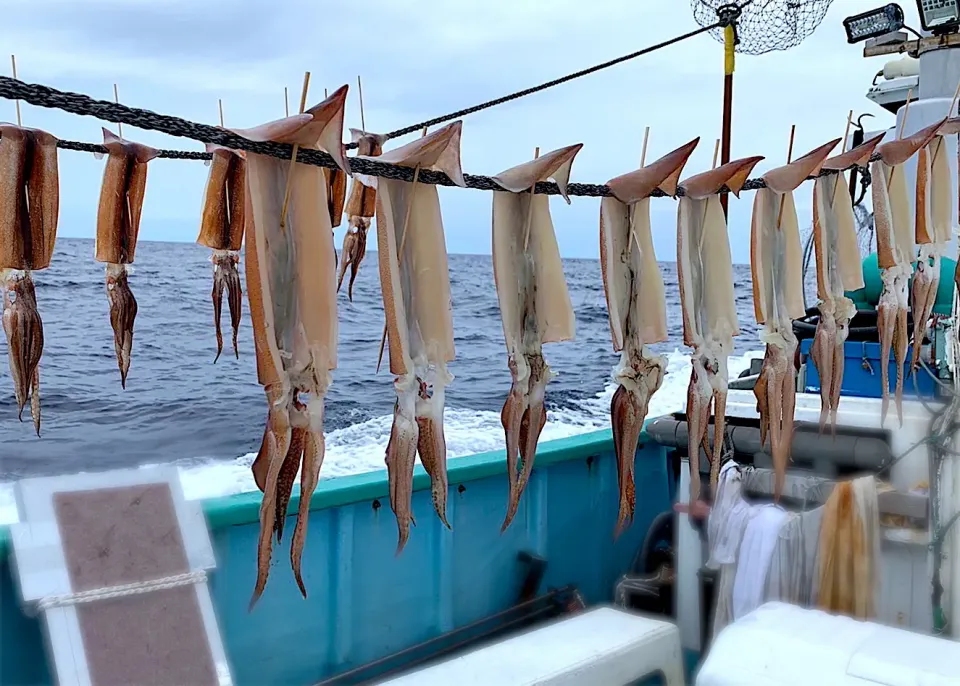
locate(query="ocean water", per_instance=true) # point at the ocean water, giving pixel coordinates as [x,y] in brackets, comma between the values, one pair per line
[208,418]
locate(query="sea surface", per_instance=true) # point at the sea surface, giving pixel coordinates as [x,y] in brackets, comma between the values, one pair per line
[179,407]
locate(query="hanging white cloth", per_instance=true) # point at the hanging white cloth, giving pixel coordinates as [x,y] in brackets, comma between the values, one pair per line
[728,520]
[756,549]
[792,577]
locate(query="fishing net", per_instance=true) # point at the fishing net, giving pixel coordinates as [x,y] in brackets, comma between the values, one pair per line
[764,25]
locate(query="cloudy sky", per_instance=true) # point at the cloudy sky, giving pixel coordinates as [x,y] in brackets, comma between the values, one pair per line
[422,59]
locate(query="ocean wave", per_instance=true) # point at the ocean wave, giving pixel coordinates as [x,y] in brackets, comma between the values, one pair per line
[360,447]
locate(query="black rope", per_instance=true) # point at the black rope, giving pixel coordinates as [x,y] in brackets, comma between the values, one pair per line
[84,105]
[543,86]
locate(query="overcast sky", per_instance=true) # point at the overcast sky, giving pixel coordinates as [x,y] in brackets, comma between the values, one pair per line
[422,59]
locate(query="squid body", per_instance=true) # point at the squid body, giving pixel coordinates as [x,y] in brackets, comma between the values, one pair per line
[895,251]
[636,305]
[221,230]
[415,284]
[29,210]
[838,270]
[777,265]
[291,289]
[705,272]
[360,208]
[535,305]
[118,225]
[933,221]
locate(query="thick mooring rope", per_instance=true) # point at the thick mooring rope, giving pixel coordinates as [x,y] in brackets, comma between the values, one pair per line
[83,105]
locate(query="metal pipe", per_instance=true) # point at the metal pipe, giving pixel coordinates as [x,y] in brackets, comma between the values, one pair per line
[859,452]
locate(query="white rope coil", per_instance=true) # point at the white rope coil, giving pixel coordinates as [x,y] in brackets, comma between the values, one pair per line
[122,591]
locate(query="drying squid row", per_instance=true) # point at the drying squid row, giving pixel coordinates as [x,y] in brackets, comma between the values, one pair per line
[285,213]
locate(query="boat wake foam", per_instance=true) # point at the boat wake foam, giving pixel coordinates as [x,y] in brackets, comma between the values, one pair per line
[360,448]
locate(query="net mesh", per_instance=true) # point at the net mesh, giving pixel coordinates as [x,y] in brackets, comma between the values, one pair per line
[764,25]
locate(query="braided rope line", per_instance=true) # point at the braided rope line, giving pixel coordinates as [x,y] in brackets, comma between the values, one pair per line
[121,591]
[83,105]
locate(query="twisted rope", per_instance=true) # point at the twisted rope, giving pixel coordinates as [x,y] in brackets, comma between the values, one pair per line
[121,591]
[83,105]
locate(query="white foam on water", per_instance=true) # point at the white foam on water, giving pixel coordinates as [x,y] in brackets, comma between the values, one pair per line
[361,447]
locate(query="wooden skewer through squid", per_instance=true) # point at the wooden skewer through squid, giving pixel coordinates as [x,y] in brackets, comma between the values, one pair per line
[415,283]
[29,210]
[221,230]
[118,225]
[636,306]
[777,268]
[838,271]
[705,273]
[535,305]
[291,289]
[895,252]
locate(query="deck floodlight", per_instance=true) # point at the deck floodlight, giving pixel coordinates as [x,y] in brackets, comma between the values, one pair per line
[939,16]
[874,23]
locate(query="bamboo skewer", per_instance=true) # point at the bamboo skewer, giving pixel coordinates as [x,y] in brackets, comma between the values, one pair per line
[293,157]
[529,219]
[226,184]
[793,131]
[363,124]
[13,64]
[903,123]
[116,99]
[846,132]
[403,241]
[633,209]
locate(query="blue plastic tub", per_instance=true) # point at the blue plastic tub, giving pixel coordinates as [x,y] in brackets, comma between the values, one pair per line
[861,372]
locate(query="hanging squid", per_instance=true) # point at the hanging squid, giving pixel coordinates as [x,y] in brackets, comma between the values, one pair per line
[29,210]
[777,266]
[535,306]
[895,253]
[838,270]
[636,305]
[291,291]
[415,284]
[360,208]
[705,273]
[221,230]
[118,225]
[934,225]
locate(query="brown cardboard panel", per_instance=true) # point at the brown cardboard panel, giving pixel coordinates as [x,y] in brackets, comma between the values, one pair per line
[116,536]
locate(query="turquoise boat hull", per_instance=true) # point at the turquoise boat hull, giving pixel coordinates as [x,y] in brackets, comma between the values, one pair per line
[365,603]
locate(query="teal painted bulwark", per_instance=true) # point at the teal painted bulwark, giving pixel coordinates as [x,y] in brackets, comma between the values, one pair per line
[364,602]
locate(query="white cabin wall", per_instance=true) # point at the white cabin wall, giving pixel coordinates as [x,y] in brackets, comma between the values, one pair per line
[939,77]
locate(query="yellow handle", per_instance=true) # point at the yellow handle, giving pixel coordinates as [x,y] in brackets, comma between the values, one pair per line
[728,50]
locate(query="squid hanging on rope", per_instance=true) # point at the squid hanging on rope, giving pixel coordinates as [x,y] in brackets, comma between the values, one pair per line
[221,230]
[705,273]
[291,289]
[415,284]
[895,253]
[118,225]
[838,271]
[636,305]
[535,305]
[776,260]
[29,210]
[934,226]
[360,208]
